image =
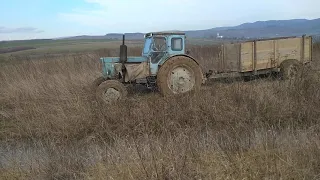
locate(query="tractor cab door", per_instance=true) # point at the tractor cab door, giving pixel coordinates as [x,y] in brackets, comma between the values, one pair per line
[163,47]
[158,49]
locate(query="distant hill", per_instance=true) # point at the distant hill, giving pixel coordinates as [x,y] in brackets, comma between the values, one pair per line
[129,36]
[259,29]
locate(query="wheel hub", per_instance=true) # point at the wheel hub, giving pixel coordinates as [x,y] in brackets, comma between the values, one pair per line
[181,80]
[111,94]
[293,71]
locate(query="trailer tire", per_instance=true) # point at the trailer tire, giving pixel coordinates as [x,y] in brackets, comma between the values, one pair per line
[179,75]
[290,69]
[111,91]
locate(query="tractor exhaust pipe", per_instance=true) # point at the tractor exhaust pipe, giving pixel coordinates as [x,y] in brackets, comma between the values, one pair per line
[123,51]
[123,57]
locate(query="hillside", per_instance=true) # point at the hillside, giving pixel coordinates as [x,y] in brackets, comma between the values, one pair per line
[259,29]
[272,28]
[109,36]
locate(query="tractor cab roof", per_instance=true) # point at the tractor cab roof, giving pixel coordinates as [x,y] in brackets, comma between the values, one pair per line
[150,34]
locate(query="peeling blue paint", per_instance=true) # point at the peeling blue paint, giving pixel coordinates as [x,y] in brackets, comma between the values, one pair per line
[130,59]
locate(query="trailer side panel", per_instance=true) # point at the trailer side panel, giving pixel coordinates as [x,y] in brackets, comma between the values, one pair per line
[231,58]
[247,57]
[265,54]
[307,49]
[289,49]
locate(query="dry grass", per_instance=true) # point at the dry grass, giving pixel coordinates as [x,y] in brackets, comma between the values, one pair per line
[52,128]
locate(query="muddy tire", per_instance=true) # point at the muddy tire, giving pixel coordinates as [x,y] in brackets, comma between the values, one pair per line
[179,75]
[111,91]
[290,70]
[97,82]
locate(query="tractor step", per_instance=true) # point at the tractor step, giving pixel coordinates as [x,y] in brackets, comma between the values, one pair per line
[151,82]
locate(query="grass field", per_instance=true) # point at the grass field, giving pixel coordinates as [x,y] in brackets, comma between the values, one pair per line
[58,48]
[51,127]
[45,48]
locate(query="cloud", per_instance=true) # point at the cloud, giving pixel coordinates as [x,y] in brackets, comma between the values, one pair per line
[20,30]
[138,15]
[110,3]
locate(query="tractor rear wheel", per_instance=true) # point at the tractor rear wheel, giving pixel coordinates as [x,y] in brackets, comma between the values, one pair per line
[111,91]
[179,75]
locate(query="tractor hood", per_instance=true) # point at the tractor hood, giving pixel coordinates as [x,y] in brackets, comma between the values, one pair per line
[131,59]
[136,67]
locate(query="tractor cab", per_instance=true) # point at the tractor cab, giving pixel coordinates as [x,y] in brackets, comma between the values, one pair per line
[169,43]
[159,46]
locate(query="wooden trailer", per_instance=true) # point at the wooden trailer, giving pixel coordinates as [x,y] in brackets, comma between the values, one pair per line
[263,56]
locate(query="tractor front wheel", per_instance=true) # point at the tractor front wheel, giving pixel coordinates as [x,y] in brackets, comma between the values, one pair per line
[97,82]
[111,91]
[179,75]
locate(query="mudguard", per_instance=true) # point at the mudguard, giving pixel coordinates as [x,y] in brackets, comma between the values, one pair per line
[185,55]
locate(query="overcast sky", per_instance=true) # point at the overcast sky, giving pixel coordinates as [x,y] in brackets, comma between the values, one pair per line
[24,19]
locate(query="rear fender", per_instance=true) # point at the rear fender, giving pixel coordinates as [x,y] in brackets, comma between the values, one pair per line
[181,55]
[184,55]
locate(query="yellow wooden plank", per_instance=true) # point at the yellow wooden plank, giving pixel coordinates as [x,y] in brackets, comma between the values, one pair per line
[246,57]
[265,54]
[289,49]
[307,49]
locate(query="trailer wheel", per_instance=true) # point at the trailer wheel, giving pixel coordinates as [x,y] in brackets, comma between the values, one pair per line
[111,91]
[179,75]
[290,70]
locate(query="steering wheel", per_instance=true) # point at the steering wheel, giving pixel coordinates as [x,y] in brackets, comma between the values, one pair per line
[158,48]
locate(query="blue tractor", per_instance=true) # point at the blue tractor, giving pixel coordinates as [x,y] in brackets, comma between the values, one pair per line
[164,65]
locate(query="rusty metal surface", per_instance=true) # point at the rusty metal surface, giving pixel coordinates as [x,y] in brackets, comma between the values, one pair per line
[137,71]
[133,71]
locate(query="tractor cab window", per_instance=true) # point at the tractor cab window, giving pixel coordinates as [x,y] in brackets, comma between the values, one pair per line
[159,44]
[147,45]
[176,44]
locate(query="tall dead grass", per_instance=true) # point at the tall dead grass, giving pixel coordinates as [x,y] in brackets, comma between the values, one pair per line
[51,127]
